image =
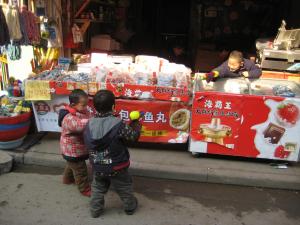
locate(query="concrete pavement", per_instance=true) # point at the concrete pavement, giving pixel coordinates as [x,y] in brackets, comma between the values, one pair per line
[6,162]
[31,196]
[179,165]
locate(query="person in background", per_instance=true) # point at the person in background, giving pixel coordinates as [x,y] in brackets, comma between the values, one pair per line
[235,66]
[104,137]
[178,55]
[73,120]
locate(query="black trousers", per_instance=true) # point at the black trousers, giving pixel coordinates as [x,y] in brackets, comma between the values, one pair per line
[122,183]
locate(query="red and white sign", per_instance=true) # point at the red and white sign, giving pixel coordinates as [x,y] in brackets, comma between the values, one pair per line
[216,118]
[253,126]
[46,113]
[165,122]
[162,122]
[149,92]
[131,91]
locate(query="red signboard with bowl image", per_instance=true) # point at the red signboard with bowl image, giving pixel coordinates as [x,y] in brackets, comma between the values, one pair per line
[162,121]
[253,126]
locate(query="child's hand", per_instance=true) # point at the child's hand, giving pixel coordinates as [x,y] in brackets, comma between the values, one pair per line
[210,76]
[245,74]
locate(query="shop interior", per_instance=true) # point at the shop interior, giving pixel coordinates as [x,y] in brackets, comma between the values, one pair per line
[206,30]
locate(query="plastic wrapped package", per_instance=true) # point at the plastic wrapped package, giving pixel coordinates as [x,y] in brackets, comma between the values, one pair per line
[284,88]
[163,62]
[74,77]
[149,63]
[148,71]
[98,74]
[182,76]
[120,74]
[166,77]
[141,76]
[48,75]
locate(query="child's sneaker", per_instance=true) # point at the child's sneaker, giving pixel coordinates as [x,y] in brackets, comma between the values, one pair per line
[131,211]
[87,192]
[96,214]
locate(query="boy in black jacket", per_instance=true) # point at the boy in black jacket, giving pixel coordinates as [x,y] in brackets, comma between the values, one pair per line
[104,137]
[235,66]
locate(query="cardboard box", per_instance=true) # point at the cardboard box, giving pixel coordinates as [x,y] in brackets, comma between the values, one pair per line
[115,45]
[102,42]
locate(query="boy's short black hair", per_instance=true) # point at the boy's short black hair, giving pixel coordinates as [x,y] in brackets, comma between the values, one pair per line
[75,96]
[104,100]
[237,55]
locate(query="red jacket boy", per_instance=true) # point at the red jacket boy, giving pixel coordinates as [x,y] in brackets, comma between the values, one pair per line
[73,120]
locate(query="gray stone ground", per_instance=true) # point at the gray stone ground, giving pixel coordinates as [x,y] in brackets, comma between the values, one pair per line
[175,162]
[35,195]
[6,162]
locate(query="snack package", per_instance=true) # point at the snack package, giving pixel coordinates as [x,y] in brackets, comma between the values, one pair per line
[64,63]
[118,74]
[166,76]
[182,76]
[98,74]
[149,63]
[140,75]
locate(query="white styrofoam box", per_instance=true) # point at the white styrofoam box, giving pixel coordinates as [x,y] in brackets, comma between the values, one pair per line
[98,58]
[150,63]
[121,58]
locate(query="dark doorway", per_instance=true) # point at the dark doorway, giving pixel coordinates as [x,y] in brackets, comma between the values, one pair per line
[158,24]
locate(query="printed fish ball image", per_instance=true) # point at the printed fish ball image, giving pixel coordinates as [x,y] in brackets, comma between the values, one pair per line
[180,119]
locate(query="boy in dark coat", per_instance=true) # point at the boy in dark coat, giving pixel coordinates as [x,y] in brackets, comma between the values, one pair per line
[235,66]
[104,137]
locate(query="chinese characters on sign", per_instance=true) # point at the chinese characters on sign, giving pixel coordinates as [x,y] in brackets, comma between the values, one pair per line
[218,104]
[37,90]
[124,115]
[148,117]
[48,120]
[217,108]
[150,92]
[132,93]
[216,119]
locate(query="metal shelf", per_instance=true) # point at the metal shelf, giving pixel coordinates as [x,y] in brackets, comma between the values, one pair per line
[90,20]
[104,3]
[86,2]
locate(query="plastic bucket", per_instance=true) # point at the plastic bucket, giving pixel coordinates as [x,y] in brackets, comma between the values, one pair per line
[11,144]
[14,129]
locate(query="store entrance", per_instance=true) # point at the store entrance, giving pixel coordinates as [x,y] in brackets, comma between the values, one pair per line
[159,25]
